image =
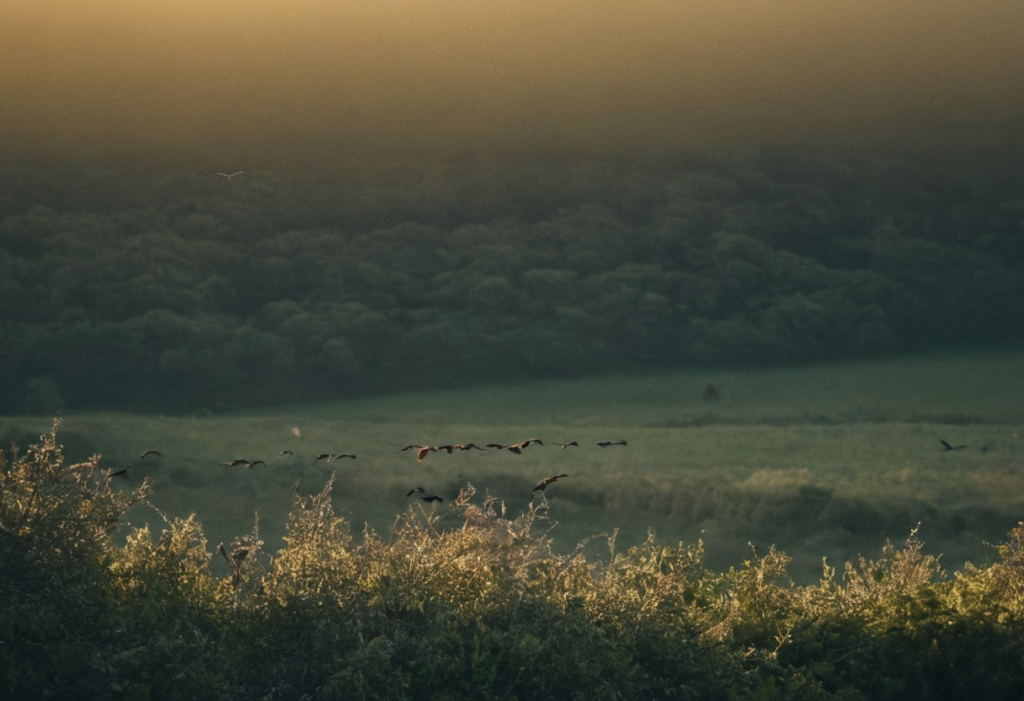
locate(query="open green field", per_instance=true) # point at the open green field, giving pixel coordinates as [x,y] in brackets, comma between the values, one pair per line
[823,461]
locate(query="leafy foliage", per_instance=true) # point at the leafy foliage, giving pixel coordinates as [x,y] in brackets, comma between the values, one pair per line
[483,609]
[207,294]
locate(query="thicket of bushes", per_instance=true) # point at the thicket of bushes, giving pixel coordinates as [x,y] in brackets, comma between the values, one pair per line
[182,291]
[482,610]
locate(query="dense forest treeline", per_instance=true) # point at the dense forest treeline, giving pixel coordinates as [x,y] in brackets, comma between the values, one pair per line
[483,609]
[177,290]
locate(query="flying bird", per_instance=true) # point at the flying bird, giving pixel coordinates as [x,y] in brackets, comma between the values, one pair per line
[467,446]
[150,452]
[432,498]
[516,448]
[566,445]
[605,444]
[331,457]
[237,462]
[254,463]
[947,446]
[227,176]
[236,556]
[414,490]
[123,472]
[285,452]
[424,449]
[548,480]
[410,447]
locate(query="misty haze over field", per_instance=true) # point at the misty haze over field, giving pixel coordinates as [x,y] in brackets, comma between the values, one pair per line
[244,83]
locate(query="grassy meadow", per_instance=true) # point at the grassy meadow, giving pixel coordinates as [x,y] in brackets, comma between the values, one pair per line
[823,461]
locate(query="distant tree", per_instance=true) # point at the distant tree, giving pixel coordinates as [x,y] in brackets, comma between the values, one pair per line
[588,238]
[492,295]
[40,396]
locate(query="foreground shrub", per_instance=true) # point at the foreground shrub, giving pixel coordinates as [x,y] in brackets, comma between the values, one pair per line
[482,609]
[55,549]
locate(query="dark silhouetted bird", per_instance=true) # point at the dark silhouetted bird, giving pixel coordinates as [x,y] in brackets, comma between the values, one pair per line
[237,462]
[432,498]
[605,444]
[947,446]
[566,445]
[412,491]
[516,448]
[123,472]
[467,446]
[331,457]
[254,463]
[227,176]
[548,480]
[285,452]
[236,556]
[150,452]
[410,447]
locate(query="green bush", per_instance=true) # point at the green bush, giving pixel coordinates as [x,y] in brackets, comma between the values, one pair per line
[485,608]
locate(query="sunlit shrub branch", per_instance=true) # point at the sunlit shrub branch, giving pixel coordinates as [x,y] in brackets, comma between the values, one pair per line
[473,600]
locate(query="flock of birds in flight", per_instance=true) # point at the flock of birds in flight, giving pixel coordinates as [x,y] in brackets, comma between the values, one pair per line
[238,555]
[422,451]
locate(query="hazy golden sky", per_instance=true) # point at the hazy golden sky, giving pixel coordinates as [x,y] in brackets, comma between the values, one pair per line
[255,76]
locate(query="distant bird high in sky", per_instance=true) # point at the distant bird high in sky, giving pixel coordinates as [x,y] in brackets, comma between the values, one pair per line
[227,176]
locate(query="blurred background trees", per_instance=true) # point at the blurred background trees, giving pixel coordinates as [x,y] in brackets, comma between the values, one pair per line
[179,291]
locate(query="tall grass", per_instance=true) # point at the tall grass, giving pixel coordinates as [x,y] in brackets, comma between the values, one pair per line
[823,460]
[471,602]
